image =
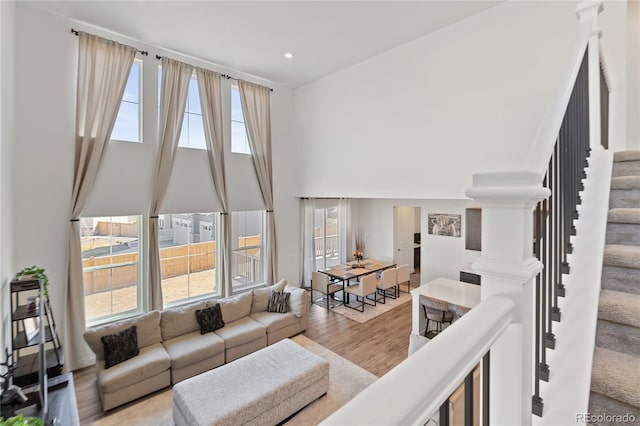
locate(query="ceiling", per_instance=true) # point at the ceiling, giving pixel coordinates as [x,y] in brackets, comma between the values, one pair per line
[252,36]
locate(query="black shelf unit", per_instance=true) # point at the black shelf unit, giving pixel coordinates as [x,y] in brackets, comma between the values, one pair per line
[25,359]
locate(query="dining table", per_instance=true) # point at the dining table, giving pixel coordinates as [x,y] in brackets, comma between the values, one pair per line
[356,269]
[455,293]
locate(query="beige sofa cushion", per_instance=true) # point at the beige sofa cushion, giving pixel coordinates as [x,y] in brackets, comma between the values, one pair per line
[175,322]
[148,330]
[151,361]
[261,296]
[274,321]
[192,348]
[297,303]
[239,332]
[234,308]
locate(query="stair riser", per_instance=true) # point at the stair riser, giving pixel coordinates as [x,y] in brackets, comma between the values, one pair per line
[626,280]
[600,405]
[618,337]
[623,233]
[624,198]
[626,168]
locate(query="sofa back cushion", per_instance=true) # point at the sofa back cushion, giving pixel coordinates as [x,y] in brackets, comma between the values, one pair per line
[148,332]
[234,308]
[261,296]
[175,322]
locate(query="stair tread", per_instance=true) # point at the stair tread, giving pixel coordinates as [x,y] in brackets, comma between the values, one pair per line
[619,307]
[616,375]
[622,255]
[626,156]
[624,215]
[625,182]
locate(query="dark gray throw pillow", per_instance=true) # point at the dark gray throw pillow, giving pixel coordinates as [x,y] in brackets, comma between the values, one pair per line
[210,319]
[120,346]
[278,302]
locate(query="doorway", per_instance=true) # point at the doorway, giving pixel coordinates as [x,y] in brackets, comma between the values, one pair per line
[407,237]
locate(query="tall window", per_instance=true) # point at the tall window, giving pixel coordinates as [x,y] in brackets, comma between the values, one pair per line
[239,138]
[326,237]
[192,133]
[128,123]
[247,255]
[111,266]
[187,256]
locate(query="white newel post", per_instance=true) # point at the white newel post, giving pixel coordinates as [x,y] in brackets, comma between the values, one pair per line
[588,11]
[508,268]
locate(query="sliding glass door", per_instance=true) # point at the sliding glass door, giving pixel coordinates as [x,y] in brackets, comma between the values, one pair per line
[326,237]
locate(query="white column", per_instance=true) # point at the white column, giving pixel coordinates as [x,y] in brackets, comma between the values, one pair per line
[588,12]
[508,268]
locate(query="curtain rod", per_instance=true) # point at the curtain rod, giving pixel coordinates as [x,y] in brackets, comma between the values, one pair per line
[142,52]
[227,76]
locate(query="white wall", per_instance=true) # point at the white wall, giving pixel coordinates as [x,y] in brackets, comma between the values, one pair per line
[416,121]
[440,256]
[7,94]
[633,75]
[43,149]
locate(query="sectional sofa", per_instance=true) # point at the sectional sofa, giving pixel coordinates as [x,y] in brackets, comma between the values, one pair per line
[172,348]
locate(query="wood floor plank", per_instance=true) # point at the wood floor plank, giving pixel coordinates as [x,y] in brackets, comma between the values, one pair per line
[377,346]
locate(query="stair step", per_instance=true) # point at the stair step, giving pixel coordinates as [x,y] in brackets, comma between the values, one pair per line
[626,280]
[622,256]
[626,168]
[623,234]
[628,216]
[625,182]
[616,375]
[618,337]
[624,198]
[619,307]
[601,406]
[621,156]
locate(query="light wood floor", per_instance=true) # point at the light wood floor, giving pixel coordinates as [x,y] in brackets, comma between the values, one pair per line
[377,346]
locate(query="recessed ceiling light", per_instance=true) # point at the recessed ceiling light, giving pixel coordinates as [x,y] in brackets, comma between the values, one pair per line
[288,55]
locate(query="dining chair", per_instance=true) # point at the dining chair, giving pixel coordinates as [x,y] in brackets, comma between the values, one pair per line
[435,310]
[404,276]
[364,288]
[321,283]
[387,285]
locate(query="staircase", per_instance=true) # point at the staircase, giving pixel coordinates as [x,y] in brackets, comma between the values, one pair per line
[615,376]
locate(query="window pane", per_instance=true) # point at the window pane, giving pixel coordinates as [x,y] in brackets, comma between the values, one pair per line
[187,255]
[196,132]
[192,133]
[326,237]
[127,125]
[247,265]
[239,140]
[110,263]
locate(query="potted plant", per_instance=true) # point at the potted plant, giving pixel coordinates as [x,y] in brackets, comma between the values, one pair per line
[35,273]
[21,420]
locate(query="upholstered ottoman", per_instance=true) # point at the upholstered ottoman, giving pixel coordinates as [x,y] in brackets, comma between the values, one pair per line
[262,388]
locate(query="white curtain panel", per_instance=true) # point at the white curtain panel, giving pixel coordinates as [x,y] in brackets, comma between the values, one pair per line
[344,222]
[308,208]
[210,89]
[257,118]
[173,98]
[103,69]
